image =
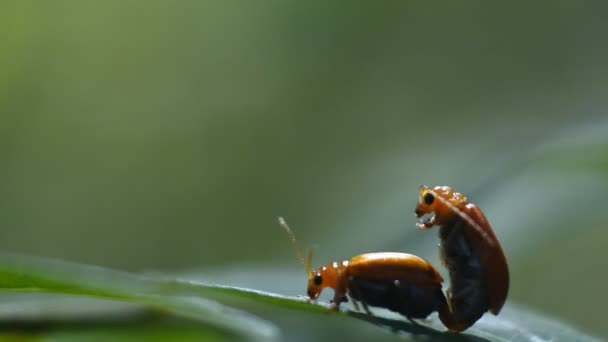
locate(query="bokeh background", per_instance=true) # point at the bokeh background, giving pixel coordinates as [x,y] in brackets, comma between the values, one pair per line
[168,136]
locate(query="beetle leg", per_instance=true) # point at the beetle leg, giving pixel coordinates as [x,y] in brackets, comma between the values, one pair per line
[415,322]
[454,297]
[442,257]
[356,305]
[354,288]
[448,294]
[366,308]
[339,298]
[333,305]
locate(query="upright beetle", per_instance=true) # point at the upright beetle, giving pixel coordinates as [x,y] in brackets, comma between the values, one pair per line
[400,282]
[479,276]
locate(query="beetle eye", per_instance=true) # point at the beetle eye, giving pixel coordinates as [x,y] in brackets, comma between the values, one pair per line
[429,198]
[318,280]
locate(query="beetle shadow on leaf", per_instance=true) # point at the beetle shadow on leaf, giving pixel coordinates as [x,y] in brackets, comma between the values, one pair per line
[414,329]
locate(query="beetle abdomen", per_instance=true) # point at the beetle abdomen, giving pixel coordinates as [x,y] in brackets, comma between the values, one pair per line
[469,296]
[409,300]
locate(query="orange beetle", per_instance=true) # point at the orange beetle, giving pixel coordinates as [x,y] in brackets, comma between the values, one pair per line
[479,276]
[400,282]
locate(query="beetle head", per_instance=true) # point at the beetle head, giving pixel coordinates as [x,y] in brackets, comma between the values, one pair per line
[440,202]
[330,276]
[315,284]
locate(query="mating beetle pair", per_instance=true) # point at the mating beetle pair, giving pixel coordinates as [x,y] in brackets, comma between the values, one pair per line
[411,286]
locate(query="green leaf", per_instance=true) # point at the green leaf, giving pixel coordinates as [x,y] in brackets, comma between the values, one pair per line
[515,323]
[52,317]
[141,306]
[20,273]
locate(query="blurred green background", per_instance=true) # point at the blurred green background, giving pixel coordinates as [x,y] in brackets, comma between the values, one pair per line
[157,135]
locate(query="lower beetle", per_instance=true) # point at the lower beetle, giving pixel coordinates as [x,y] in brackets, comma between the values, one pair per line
[399,282]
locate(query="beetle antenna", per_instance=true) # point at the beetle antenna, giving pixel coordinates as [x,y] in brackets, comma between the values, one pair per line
[292,237]
[465,217]
[308,259]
